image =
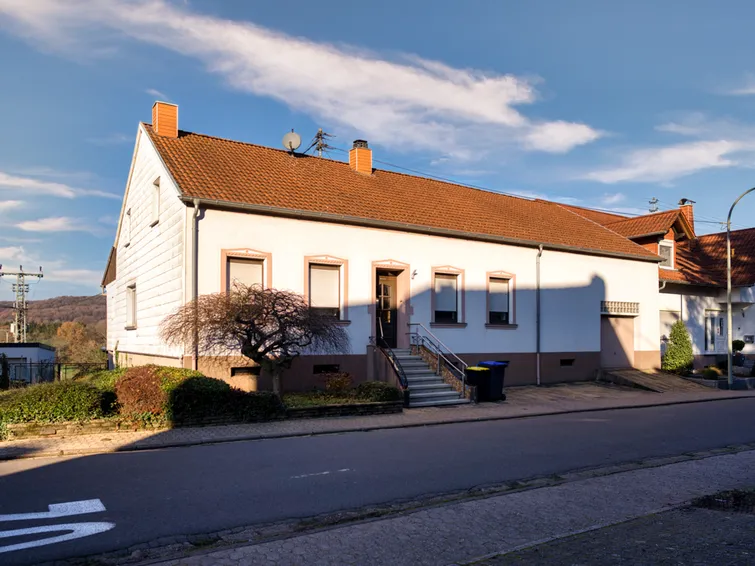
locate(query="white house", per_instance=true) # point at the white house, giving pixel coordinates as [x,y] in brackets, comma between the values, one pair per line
[488,275]
[692,277]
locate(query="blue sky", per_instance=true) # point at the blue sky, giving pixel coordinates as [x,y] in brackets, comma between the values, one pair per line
[602,104]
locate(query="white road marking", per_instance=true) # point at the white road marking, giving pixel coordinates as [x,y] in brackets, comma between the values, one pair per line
[79,530]
[320,474]
[57,510]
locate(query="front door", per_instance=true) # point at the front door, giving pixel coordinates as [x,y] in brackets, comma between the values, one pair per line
[715,333]
[386,309]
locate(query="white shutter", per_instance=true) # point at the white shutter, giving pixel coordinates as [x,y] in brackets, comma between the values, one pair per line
[499,295]
[325,286]
[244,271]
[445,292]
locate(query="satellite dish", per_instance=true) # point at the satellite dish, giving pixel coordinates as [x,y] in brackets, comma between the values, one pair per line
[291,141]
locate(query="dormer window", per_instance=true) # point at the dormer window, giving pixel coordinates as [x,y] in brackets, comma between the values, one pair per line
[666,251]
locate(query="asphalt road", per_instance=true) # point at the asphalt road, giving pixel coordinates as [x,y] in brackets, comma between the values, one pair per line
[148,495]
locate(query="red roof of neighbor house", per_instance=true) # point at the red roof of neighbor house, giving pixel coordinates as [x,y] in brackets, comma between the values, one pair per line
[703,261]
[599,216]
[234,172]
[647,225]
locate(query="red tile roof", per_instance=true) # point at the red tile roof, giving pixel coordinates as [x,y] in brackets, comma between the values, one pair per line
[703,261]
[647,225]
[233,172]
[599,216]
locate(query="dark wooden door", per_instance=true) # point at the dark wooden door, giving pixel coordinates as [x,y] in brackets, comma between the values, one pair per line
[386,310]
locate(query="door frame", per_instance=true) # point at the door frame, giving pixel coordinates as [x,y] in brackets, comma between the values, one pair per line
[403,298]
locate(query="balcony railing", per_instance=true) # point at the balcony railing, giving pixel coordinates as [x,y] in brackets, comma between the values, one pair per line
[619,308]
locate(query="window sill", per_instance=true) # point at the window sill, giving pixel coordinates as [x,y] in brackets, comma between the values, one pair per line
[503,326]
[130,327]
[448,325]
[342,322]
[667,267]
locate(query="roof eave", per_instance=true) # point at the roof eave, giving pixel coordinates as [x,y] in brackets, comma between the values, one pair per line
[404,227]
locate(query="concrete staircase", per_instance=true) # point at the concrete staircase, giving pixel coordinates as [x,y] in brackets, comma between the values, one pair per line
[426,389]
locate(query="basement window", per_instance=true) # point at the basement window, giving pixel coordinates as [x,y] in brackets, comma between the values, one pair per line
[567,362]
[326,368]
[247,370]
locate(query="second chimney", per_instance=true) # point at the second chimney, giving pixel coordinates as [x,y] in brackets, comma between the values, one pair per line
[685,205]
[165,119]
[360,157]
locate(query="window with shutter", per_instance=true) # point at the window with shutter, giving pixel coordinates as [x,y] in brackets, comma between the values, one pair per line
[247,272]
[498,301]
[446,291]
[325,289]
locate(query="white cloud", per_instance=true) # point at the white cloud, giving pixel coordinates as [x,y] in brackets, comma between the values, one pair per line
[82,277]
[27,184]
[662,164]
[611,199]
[747,88]
[158,94]
[54,224]
[406,103]
[6,205]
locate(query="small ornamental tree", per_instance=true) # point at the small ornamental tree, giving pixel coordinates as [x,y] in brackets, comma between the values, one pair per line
[678,357]
[737,345]
[4,372]
[268,326]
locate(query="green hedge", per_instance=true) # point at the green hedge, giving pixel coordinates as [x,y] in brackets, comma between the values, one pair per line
[179,395]
[378,392]
[55,402]
[104,379]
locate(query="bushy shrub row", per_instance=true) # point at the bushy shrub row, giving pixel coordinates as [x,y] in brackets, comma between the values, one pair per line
[55,402]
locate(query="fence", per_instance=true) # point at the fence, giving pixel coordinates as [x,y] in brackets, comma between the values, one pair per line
[28,373]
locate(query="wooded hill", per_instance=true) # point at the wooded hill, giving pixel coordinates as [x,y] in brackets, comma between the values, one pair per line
[87,310]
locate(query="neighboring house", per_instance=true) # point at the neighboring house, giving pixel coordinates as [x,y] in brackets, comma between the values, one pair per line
[692,276]
[32,362]
[379,250]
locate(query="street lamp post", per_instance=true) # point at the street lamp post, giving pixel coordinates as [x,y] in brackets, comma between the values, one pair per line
[729,329]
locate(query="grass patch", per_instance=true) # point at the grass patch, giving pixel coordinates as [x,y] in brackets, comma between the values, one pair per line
[318,399]
[737,500]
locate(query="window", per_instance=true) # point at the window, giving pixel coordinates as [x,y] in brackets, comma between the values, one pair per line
[666,251]
[244,271]
[128,228]
[155,202]
[498,300]
[325,289]
[131,307]
[318,369]
[446,298]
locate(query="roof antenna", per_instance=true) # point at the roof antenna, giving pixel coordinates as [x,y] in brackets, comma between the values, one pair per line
[292,141]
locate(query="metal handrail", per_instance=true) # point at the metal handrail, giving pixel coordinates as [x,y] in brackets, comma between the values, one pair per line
[434,345]
[390,355]
[438,342]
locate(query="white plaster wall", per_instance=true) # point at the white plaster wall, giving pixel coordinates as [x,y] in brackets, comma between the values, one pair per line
[694,302]
[153,259]
[573,285]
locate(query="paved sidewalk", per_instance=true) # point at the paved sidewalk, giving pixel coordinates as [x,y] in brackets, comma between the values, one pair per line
[471,531]
[522,402]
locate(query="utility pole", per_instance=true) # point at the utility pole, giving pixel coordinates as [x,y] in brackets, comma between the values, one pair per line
[21,288]
[653,204]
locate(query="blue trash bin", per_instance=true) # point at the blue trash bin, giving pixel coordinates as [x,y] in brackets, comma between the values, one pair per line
[494,389]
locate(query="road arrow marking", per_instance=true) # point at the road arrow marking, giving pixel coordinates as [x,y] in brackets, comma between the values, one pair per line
[57,510]
[79,530]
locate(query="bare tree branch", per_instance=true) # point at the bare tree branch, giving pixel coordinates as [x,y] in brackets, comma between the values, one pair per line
[268,326]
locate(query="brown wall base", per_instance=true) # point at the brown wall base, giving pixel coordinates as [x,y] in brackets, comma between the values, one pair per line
[555,367]
[300,377]
[128,360]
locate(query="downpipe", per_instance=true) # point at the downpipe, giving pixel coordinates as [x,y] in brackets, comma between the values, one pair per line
[195,278]
[537,311]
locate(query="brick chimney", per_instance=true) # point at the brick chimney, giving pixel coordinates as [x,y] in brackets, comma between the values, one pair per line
[685,205]
[360,157]
[165,119]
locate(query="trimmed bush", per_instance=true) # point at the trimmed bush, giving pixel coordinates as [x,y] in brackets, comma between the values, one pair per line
[737,345]
[378,392]
[678,357]
[103,379]
[55,402]
[711,373]
[338,383]
[179,395]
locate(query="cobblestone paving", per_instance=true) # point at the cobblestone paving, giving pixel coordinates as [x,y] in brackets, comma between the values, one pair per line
[476,530]
[522,401]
